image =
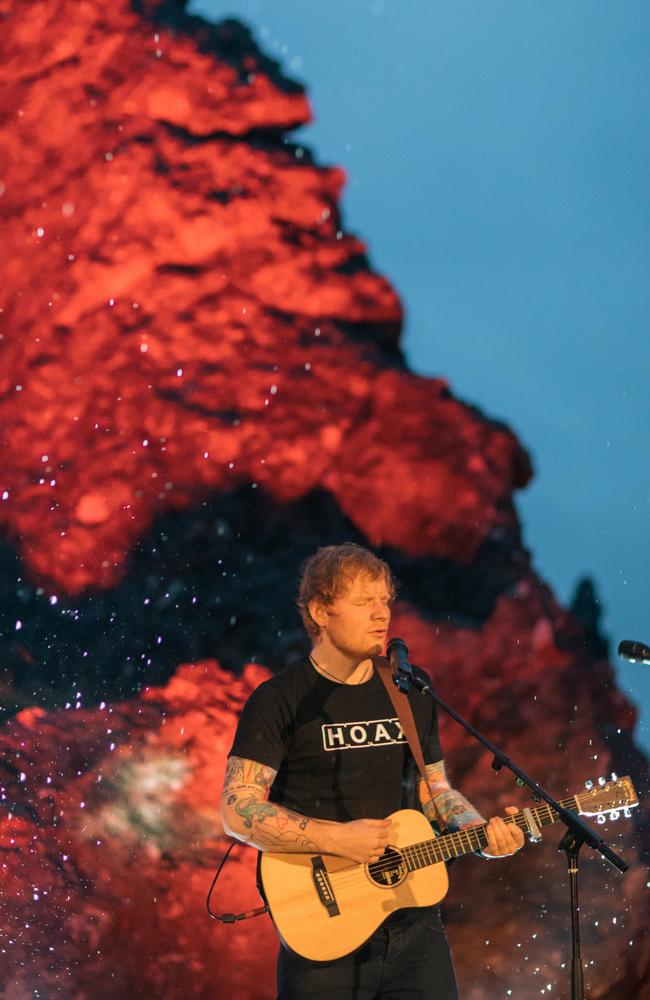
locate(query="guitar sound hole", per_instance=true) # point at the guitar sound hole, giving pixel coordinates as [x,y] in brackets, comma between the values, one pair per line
[389,870]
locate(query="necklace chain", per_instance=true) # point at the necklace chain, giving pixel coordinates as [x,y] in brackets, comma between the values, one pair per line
[322,670]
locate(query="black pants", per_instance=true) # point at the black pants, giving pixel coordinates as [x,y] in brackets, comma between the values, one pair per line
[407,958]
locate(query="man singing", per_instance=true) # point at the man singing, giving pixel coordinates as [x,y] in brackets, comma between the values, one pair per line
[297,782]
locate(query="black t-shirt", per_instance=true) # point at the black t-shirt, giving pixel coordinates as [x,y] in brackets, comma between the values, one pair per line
[338,749]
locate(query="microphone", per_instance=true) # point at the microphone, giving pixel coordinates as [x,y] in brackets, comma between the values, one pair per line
[398,656]
[635,652]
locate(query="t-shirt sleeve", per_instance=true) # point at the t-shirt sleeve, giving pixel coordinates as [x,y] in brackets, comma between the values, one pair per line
[264,729]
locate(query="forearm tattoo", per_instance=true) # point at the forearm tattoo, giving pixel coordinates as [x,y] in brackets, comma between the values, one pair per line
[443,805]
[266,825]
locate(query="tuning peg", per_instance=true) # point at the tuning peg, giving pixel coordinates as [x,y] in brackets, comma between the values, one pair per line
[614,814]
[627,812]
[589,785]
[602,782]
[614,776]
[601,818]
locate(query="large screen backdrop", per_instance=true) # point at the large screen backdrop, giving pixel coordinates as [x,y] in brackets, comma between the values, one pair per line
[201,382]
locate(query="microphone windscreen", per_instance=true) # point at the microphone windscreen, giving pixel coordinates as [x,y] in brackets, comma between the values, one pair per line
[636,651]
[398,645]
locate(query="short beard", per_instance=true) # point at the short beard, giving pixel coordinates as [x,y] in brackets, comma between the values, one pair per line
[365,654]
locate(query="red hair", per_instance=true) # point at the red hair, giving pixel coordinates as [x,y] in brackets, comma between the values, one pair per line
[329,573]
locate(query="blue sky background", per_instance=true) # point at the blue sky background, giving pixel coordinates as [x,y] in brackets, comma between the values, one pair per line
[499,162]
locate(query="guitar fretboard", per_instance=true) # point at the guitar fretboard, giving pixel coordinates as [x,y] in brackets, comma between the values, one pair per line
[454,845]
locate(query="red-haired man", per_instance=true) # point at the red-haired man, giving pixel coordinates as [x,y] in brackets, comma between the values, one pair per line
[298,781]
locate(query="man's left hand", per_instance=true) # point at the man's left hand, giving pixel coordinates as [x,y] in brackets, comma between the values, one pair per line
[503,838]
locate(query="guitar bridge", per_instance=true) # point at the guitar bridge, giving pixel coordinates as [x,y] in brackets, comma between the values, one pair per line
[324,886]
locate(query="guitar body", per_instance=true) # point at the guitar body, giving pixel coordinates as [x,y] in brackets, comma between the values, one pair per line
[324,907]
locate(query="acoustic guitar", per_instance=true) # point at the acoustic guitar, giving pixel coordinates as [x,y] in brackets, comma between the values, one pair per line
[324,906]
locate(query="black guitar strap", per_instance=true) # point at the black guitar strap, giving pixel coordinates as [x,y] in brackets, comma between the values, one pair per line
[404,711]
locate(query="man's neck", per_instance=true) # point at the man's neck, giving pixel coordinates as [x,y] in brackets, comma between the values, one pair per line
[339,666]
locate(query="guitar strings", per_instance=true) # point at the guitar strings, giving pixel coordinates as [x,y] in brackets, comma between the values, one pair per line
[378,867]
[422,850]
[350,873]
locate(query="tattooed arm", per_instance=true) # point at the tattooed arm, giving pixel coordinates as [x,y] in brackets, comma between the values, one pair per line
[247,815]
[446,807]
[443,805]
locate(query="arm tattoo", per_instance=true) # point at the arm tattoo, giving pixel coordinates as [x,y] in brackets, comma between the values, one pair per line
[241,772]
[234,771]
[442,804]
[268,826]
[253,810]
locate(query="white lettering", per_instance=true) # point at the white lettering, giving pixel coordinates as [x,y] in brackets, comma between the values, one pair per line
[358,734]
[335,735]
[369,733]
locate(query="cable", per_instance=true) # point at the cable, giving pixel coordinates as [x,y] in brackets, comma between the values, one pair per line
[230,918]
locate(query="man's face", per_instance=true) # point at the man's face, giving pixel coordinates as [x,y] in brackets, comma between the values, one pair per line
[356,623]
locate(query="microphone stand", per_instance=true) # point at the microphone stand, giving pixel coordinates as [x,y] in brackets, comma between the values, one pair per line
[577,833]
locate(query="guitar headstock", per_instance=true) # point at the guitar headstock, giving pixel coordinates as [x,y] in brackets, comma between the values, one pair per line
[608,797]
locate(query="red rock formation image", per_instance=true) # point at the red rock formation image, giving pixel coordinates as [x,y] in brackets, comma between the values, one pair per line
[164,244]
[200,382]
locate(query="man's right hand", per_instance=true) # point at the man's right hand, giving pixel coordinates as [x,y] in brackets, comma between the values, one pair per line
[361,840]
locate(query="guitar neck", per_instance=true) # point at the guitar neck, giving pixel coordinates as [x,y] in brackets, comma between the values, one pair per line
[474,838]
